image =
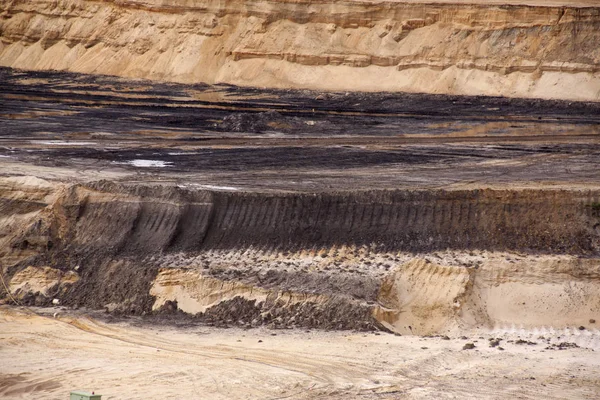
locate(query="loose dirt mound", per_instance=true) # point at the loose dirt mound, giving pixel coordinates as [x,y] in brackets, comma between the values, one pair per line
[427,298]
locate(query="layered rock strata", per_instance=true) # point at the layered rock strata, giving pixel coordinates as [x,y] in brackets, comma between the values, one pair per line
[475,49]
[407,261]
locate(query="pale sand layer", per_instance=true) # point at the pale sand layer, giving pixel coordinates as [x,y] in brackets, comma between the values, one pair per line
[458,47]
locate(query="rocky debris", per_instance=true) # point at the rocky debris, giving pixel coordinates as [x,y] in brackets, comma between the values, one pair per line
[469,346]
[256,122]
[562,346]
[527,342]
[332,315]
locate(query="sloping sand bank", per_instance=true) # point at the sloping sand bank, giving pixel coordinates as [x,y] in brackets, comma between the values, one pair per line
[545,50]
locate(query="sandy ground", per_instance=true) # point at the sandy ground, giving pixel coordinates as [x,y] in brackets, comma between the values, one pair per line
[45,357]
[540,48]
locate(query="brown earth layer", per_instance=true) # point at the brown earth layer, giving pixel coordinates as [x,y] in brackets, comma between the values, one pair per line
[329,260]
[413,213]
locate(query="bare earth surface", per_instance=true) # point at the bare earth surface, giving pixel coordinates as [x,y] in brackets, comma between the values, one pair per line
[512,48]
[50,356]
[160,214]
[77,128]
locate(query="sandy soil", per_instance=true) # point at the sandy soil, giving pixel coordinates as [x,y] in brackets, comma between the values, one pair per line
[513,48]
[115,245]
[46,357]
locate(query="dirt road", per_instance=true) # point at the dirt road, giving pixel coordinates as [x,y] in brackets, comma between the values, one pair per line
[46,357]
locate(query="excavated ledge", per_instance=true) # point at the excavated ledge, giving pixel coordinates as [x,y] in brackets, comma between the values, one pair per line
[228,206]
[474,49]
[406,261]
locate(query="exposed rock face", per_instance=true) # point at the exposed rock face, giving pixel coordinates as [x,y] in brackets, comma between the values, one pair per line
[517,50]
[408,261]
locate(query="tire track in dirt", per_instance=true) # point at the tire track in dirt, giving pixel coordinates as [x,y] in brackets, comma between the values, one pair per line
[323,371]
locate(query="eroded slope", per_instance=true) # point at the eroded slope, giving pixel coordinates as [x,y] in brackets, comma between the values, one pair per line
[413,262]
[517,50]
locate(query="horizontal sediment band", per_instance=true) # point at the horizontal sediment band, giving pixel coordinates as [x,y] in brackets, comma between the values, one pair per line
[145,220]
[473,49]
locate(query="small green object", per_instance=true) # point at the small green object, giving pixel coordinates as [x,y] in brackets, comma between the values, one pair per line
[81,395]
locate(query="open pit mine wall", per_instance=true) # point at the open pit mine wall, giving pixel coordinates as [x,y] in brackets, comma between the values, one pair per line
[226,257]
[144,220]
[518,51]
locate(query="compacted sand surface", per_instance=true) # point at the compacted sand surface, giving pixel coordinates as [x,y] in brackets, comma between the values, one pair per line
[55,351]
